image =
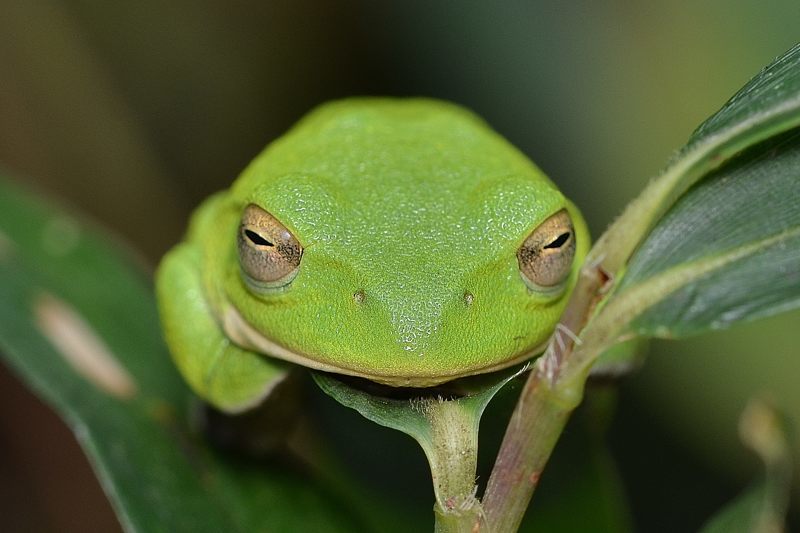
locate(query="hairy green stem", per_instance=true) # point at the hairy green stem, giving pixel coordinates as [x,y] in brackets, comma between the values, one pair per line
[533,432]
[545,404]
[452,452]
[461,522]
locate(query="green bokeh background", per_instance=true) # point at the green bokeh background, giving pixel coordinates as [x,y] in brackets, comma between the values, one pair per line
[133,112]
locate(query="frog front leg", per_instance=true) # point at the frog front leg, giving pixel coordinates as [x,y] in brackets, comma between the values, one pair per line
[227,376]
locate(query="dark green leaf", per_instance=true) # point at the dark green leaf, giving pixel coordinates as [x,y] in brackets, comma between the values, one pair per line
[728,250]
[78,324]
[766,107]
[771,97]
[716,238]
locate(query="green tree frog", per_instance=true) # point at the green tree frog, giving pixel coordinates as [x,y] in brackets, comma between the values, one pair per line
[398,240]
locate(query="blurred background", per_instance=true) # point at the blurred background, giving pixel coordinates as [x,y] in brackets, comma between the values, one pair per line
[133,112]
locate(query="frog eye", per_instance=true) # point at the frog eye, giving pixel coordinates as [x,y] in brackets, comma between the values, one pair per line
[545,258]
[268,252]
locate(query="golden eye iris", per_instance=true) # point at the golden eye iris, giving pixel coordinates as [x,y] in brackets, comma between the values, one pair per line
[268,252]
[545,258]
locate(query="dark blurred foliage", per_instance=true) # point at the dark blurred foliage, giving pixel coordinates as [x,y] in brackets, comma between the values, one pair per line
[134,111]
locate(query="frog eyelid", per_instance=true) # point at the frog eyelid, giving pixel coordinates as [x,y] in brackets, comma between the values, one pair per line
[269,254]
[545,257]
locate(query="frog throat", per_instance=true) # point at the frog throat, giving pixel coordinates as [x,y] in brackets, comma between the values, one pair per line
[246,336]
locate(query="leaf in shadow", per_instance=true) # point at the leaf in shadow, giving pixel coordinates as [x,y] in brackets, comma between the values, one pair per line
[78,324]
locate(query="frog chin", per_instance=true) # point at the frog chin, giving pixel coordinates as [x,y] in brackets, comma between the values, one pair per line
[245,335]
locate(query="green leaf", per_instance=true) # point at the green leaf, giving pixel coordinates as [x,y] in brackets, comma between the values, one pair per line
[766,106]
[768,103]
[729,249]
[78,323]
[762,507]
[716,238]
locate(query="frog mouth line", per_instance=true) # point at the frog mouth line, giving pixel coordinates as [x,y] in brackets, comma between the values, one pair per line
[246,336]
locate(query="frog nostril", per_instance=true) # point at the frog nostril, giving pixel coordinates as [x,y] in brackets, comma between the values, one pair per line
[468,298]
[359,296]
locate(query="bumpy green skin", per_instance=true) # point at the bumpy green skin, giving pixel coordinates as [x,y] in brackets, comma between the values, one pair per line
[413,204]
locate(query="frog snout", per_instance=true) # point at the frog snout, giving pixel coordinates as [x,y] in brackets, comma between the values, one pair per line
[416,321]
[360,296]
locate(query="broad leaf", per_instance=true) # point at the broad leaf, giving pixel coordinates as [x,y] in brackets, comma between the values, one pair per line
[766,106]
[78,324]
[729,250]
[716,238]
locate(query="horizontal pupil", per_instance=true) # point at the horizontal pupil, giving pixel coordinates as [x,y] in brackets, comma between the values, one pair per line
[257,239]
[559,242]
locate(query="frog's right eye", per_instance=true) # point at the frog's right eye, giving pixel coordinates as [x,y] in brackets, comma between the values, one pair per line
[268,252]
[545,258]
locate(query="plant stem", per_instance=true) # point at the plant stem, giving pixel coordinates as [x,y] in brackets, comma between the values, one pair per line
[453,454]
[464,522]
[533,432]
[548,398]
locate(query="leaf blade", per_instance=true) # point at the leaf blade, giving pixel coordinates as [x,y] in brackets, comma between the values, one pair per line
[768,105]
[158,472]
[738,234]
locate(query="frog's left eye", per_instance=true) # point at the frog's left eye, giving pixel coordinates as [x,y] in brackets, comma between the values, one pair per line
[545,258]
[268,252]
